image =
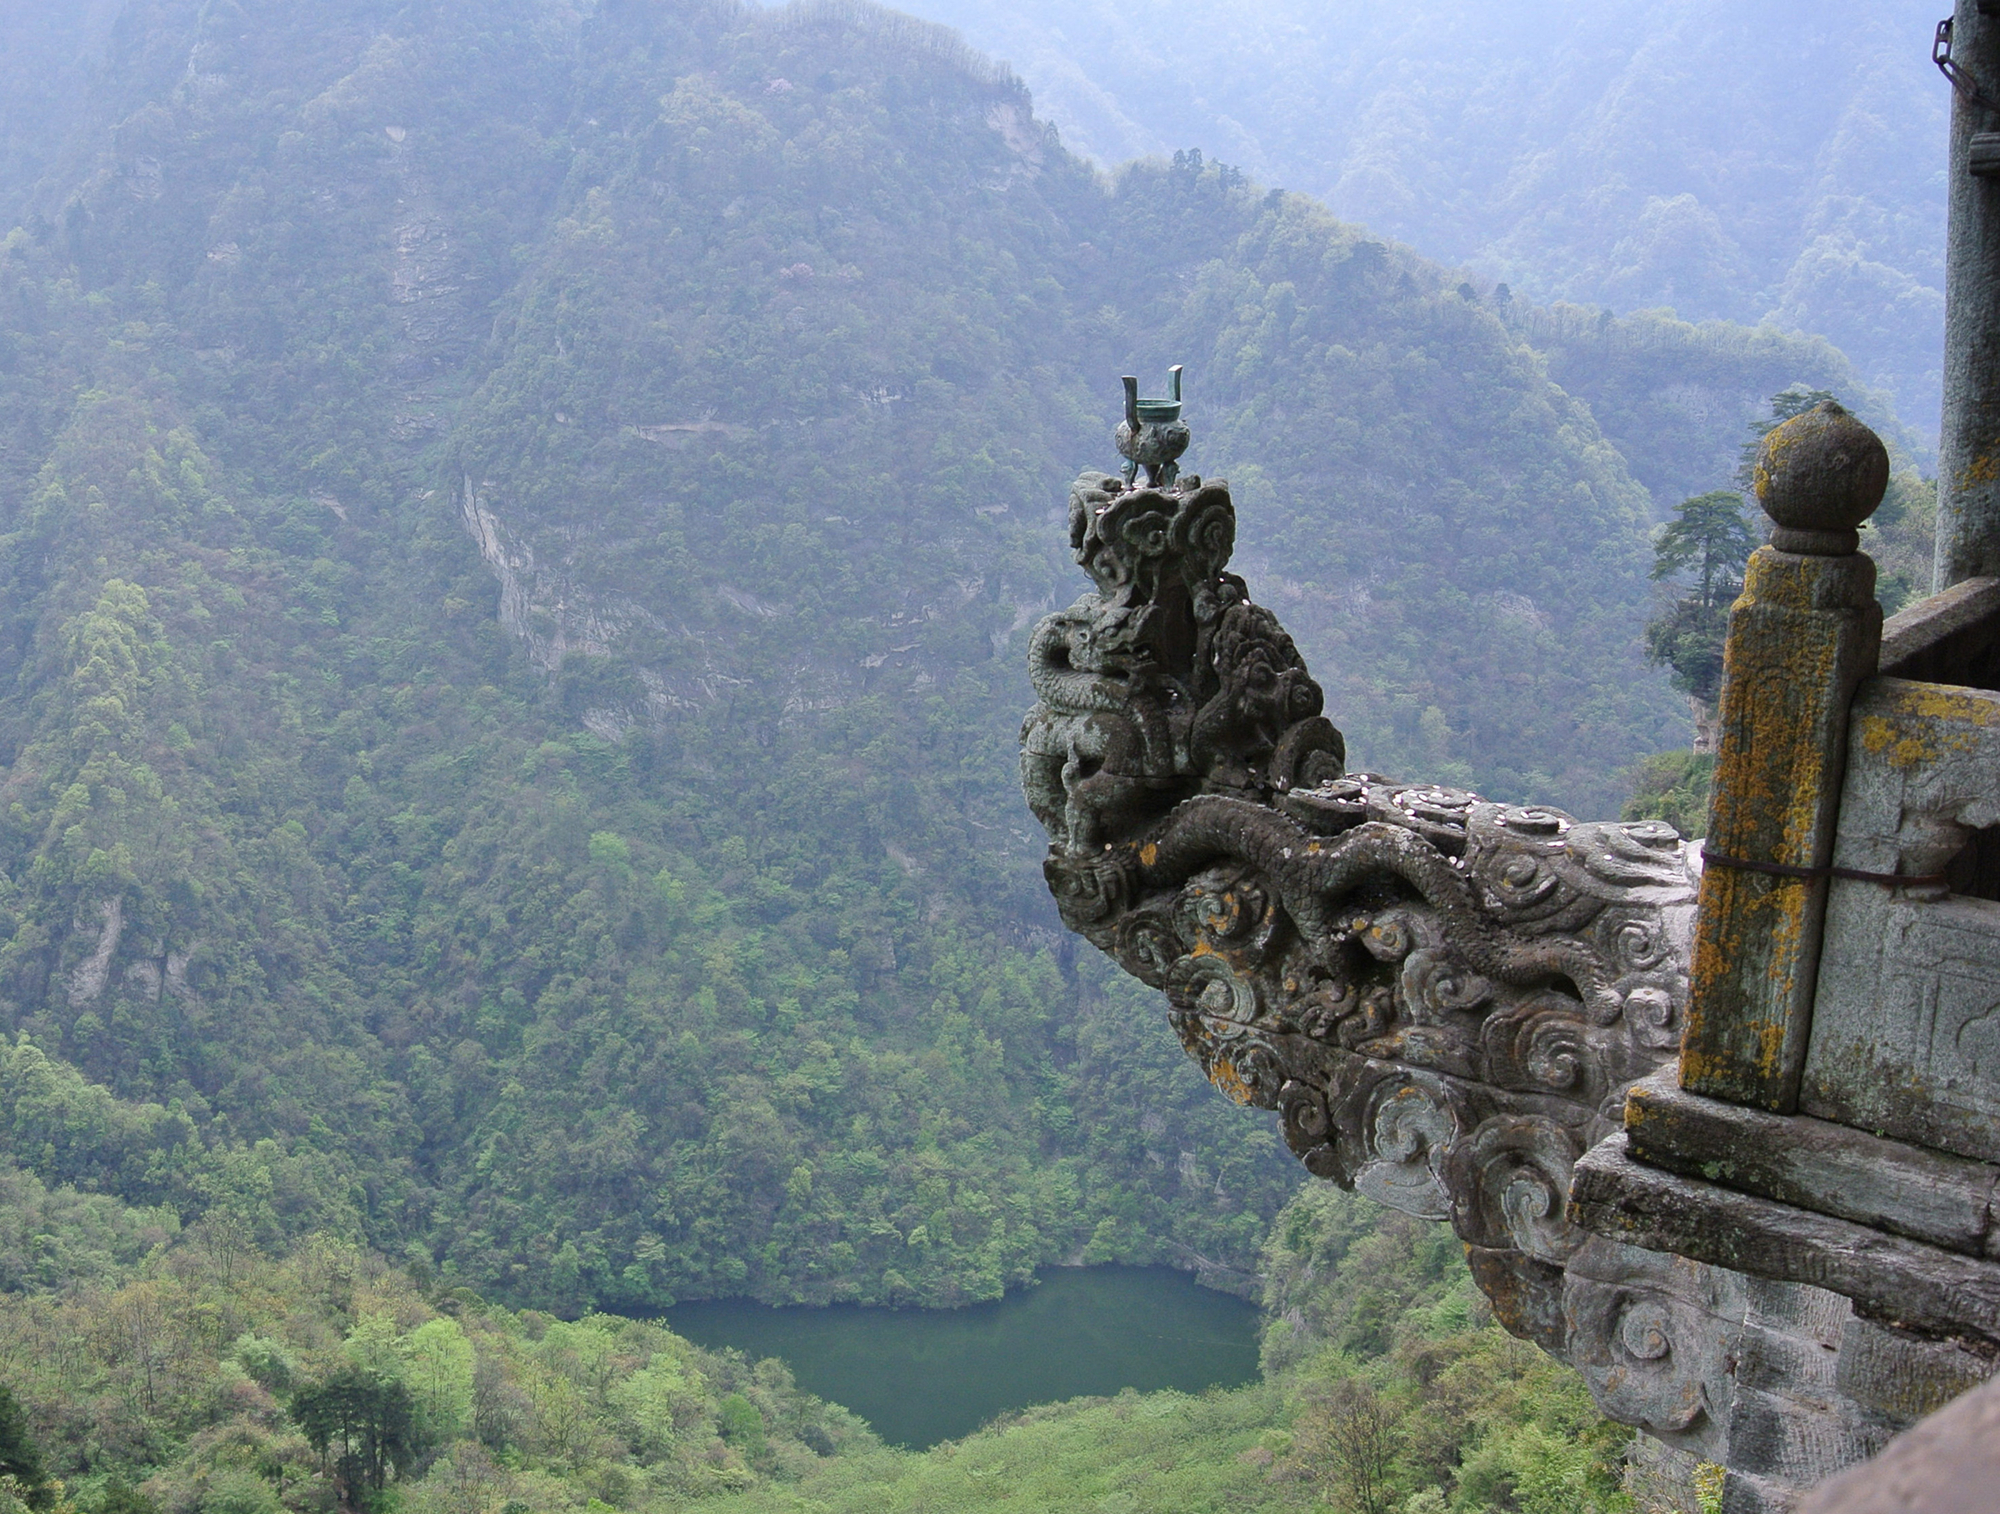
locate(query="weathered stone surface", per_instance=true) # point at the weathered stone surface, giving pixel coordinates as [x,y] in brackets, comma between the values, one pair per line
[1654,1337]
[1448,1002]
[1804,633]
[1948,1464]
[1819,476]
[1968,524]
[1796,1438]
[1896,1279]
[1906,1032]
[1952,637]
[1735,1369]
[1662,1479]
[1778,1361]
[1443,998]
[1165,681]
[1745,1493]
[1796,1309]
[1813,1164]
[1527,1296]
[1903,1376]
[1800,639]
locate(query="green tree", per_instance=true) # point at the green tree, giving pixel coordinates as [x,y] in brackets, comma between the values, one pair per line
[1704,548]
[362,1427]
[1710,537]
[123,1498]
[238,1491]
[438,1366]
[741,1425]
[20,1457]
[1674,787]
[1352,1433]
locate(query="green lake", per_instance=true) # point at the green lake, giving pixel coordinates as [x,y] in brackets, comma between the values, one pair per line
[920,1376]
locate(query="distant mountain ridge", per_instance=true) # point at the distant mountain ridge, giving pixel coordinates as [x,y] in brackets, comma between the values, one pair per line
[1748,163]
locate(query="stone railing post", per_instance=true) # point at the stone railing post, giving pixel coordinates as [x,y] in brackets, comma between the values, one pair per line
[1803,635]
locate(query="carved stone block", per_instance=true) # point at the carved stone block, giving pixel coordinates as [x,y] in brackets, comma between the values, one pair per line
[1923,1286]
[1906,1023]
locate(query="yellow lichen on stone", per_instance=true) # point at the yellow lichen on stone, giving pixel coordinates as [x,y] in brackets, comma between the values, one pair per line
[1926,722]
[1225,1077]
[1770,458]
[1899,746]
[1770,1048]
[1983,469]
[1698,1067]
[1942,701]
[1802,636]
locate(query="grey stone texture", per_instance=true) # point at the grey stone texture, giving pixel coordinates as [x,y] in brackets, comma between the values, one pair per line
[1815,1164]
[1906,1023]
[1949,1464]
[1968,527]
[1731,1368]
[1661,1479]
[1919,1285]
[1903,1376]
[1818,477]
[1443,998]
[1951,637]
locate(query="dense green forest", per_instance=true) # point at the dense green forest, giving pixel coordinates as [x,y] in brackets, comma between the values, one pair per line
[1737,162]
[192,1372]
[519,526]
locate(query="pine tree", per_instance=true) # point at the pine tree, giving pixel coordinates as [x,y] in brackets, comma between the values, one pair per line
[360,1423]
[1708,540]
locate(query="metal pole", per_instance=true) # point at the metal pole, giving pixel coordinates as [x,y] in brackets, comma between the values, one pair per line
[1968,523]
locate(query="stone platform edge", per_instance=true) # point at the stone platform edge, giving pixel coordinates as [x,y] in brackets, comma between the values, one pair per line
[1890,1278]
[1813,1164]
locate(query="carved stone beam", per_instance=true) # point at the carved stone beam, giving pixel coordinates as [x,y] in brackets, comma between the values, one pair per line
[1443,999]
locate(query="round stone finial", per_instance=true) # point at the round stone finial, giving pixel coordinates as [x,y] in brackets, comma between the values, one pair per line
[1819,476]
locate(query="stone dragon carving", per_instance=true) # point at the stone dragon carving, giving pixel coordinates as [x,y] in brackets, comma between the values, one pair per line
[1444,999]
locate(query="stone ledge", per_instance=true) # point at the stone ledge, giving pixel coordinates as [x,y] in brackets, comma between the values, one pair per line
[1889,1277]
[1948,638]
[1814,1164]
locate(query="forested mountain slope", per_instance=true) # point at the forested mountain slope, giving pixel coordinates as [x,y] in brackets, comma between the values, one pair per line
[1746,162]
[519,523]
[185,1372]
